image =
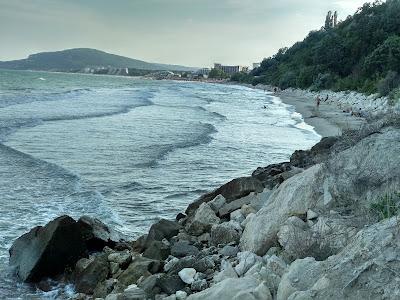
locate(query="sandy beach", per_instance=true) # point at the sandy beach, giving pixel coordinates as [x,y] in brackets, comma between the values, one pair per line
[327,120]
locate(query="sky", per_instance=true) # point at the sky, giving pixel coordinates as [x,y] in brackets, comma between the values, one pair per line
[187,32]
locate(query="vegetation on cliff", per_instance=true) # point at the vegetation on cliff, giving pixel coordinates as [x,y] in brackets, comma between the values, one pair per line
[361,53]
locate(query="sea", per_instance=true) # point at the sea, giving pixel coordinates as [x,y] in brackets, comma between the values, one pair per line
[126,150]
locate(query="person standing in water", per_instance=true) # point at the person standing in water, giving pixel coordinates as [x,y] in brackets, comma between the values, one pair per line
[318,101]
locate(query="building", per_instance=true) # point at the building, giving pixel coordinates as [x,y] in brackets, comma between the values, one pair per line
[231,69]
[203,71]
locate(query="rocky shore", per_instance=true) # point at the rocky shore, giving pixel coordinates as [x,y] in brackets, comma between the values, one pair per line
[323,225]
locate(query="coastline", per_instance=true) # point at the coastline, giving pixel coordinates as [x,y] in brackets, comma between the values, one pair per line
[327,120]
[251,235]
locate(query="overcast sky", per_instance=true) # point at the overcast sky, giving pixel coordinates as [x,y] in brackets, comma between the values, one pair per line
[188,32]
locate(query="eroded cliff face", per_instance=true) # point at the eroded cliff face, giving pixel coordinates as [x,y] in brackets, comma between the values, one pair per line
[322,226]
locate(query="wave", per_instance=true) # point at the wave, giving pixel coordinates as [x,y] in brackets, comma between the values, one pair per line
[163,150]
[124,110]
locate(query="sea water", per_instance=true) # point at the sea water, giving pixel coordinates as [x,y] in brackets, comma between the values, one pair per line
[125,150]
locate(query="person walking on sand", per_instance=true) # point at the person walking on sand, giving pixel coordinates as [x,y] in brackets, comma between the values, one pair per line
[318,101]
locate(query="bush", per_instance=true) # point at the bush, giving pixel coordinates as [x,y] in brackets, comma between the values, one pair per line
[288,80]
[389,83]
[394,96]
[323,81]
[387,206]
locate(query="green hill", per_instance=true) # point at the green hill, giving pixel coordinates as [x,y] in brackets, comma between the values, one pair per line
[361,53]
[77,59]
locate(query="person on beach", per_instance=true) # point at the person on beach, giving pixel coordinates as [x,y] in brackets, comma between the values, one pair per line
[318,101]
[326,99]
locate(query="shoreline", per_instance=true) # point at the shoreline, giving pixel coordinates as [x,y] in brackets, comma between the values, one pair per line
[250,234]
[327,120]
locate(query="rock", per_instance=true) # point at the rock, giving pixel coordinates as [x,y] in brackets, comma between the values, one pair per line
[132,292]
[96,234]
[104,288]
[157,250]
[199,285]
[296,194]
[317,154]
[228,289]
[204,264]
[170,262]
[186,262]
[205,238]
[311,215]
[225,233]
[170,284]
[234,205]
[150,285]
[181,295]
[237,216]
[360,271]
[182,248]
[114,268]
[140,266]
[235,189]
[227,271]
[121,258]
[187,275]
[217,203]
[270,175]
[96,272]
[229,250]
[47,251]
[140,244]
[247,210]
[246,260]
[202,221]
[163,229]
[276,265]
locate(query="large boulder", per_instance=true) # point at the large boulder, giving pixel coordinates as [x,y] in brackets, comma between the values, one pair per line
[96,234]
[47,251]
[202,221]
[246,288]
[226,233]
[317,154]
[349,182]
[364,269]
[140,266]
[93,273]
[163,229]
[295,196]
[235,189]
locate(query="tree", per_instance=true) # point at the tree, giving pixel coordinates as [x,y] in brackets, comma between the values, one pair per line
[217,74]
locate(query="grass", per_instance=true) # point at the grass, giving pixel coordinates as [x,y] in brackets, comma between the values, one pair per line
[387,206]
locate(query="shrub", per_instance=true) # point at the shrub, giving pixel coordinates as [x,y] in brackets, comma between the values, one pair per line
[394,96]
[323,81]
[288,80]
[387,206]
[389,83]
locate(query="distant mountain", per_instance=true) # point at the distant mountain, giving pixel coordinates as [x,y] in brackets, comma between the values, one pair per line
[81,58]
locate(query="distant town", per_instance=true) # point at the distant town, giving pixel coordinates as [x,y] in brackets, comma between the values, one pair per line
[217,72]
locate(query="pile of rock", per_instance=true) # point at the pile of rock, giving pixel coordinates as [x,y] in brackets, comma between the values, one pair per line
[295,230]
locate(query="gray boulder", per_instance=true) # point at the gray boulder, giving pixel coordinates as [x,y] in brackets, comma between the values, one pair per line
[364,269]
[202,221]
[47,251]
[97,235]
[183,248]
[95,272]
[235,289]
[235,189]
[163,229]
[140,266]
[226,233]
